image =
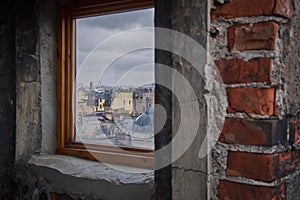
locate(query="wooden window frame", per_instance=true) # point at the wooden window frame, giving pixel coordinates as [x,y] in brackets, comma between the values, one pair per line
[69,12]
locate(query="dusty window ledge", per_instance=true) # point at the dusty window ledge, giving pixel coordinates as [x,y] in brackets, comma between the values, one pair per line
[91,170]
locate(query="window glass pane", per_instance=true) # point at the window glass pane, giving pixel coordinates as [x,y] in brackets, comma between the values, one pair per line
[115,79]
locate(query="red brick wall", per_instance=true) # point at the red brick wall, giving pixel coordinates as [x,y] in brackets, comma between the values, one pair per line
[259,152]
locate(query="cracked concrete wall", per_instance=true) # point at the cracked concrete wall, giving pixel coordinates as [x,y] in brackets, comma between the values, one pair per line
[48,44]
[28,112]
[36,32]
[189,172]
[187,177]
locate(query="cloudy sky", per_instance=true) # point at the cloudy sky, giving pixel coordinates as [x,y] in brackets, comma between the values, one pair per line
[116,49]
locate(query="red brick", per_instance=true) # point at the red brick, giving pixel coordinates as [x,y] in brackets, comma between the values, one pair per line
[255,166]
[258,36]
[289,162]
[284,8]
[293,131]
[236,191]
[262,167]
[250,132]
[235,71]
[56,196]
[252,100]
[246,8]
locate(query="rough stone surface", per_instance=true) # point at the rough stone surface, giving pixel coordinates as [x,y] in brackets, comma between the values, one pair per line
[238,71]
[78,178]
[293,192]
[258,36]
[232,191]
[28,113]
[189,184]
[48,48]
[189,171]
[291,61]
[252,100]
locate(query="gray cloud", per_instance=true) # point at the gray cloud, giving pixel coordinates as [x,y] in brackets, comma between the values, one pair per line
[91,61]
[121,21]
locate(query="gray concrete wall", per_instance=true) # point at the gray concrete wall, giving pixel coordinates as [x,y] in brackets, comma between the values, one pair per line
[187,177]
[28,112]
[48,50]
[189,172]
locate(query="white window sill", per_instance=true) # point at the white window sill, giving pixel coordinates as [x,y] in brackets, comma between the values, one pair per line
[80,176]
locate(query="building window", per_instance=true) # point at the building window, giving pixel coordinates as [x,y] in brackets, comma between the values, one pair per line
[96,78]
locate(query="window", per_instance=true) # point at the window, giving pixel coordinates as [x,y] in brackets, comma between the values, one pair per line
[92,114]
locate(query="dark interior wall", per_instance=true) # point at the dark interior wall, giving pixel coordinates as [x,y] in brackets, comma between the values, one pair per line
[8,96]
[187,177]
[189,172]
[28,90]
[163,97]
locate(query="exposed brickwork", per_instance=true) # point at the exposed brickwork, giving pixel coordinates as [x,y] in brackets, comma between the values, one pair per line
[284,8]
[293,131]
[289,162]
[246,8]
[235,71]
[252,59]
[56,196]
[258,36]
[251,132]
[237,191]
[252,165]
[252,100]
[262,167]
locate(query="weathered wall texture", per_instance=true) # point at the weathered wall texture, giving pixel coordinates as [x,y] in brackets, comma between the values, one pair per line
[36,33]
[28,113]
[8,97]
[187,177]
[251,43]
[254,45]
[291,58]
[189,172]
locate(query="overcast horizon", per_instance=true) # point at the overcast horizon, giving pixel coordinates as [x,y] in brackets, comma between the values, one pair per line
[103,42]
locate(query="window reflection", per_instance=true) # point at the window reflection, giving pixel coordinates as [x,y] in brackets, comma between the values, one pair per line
[119,109]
